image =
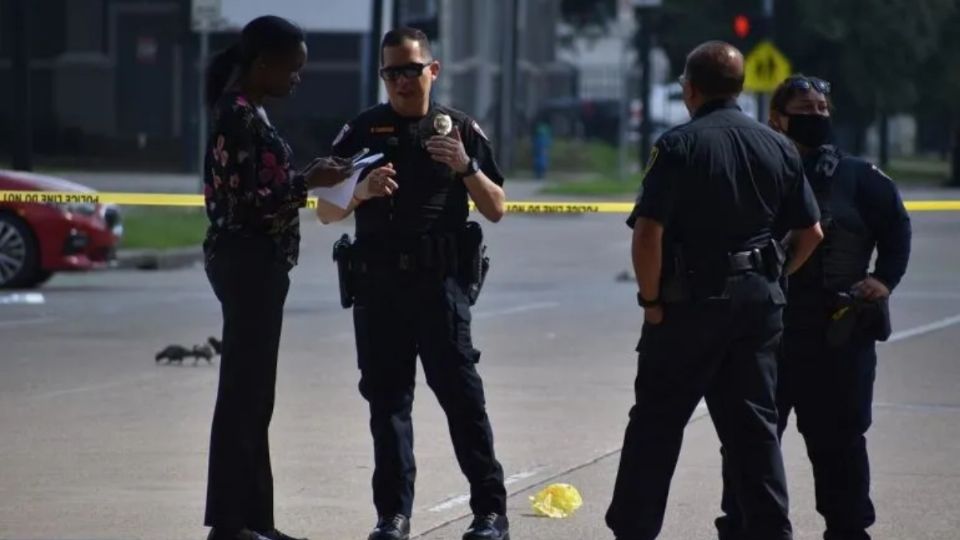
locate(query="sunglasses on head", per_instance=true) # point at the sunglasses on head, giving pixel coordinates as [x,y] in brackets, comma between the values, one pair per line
[808,83]
[407,71]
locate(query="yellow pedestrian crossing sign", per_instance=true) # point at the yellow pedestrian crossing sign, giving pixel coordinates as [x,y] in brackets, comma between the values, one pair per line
[765,68]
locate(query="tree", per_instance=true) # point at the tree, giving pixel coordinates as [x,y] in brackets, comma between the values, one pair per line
[871,50]
[940,79]
[589,16]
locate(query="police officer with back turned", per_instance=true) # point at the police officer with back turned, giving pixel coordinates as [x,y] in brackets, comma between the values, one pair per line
[836,311]
[412,274]
[709,272]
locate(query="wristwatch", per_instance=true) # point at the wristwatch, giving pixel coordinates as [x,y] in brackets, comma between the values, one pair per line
[473,167]
[644,303]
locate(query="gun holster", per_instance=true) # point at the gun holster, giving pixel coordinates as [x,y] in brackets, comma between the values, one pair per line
[773,257]
[854,317]
[474,260]
[343,255]
[676,286]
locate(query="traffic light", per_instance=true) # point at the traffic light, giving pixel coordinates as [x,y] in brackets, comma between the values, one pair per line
[741,26]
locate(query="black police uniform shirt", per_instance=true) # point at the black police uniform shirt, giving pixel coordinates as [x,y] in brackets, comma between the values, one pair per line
[863,201]
[720,183]
[431,197]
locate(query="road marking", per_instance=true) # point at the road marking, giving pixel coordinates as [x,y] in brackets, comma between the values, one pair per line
[453,502]
[24,322]
[522,308]
[928,295]
[458,500]
[924,329]
[22,298]
[339,336]
[92,387]
[918,407]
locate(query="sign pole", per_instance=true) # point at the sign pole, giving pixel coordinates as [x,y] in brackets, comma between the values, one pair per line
[205,16]
[22,119]
[201,102]
[642,9]
[762,101]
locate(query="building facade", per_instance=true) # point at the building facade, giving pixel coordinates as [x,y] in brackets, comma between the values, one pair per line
[116,83]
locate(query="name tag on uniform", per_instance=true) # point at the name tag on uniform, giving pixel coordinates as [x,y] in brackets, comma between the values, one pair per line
[382,129]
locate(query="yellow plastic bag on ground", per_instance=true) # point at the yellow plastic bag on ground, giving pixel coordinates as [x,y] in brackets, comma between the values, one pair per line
[557,501]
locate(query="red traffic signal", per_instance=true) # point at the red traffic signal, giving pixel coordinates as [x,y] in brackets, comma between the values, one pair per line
[741,26]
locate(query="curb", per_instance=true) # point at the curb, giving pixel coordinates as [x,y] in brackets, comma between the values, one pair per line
[158,259]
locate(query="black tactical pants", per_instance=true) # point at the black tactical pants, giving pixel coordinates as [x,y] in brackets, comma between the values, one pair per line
[723,351]
[830,389]
[252,288]
[398,317]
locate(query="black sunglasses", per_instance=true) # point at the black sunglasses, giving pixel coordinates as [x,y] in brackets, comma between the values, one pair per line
[407,71]
[807,83]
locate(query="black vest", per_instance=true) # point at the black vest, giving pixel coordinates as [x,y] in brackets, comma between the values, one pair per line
[843,258]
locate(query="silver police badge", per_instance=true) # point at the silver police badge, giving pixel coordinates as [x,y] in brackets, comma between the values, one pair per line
[442,124]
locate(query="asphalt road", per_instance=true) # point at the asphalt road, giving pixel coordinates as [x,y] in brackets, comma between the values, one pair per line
[99,442]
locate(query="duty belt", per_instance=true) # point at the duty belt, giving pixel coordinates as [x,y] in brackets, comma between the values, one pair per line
[745,261]
[429,252]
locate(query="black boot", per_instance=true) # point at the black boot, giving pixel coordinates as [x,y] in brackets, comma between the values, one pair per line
[277,535]
[488,527]
[396,527]
[242,534]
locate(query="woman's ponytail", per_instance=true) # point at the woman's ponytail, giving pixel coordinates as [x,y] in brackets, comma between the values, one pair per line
[220,70]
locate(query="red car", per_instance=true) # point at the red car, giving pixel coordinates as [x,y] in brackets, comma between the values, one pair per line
[38,239]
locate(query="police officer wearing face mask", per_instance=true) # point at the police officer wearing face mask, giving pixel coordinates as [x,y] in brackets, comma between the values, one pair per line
[836,311]
[415,269]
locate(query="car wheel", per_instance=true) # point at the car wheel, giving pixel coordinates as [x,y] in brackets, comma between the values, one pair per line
[39,278]
[18,253]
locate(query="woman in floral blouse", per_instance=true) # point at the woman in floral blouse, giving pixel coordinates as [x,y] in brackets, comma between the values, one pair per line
[252,199]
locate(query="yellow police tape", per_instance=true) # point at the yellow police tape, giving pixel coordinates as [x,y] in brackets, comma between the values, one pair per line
[546,207]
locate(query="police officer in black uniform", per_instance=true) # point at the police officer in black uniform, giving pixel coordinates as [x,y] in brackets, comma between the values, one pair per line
[415,264]
[836,311]
[708,270]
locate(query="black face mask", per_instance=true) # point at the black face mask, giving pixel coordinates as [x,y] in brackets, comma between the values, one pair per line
[810,130]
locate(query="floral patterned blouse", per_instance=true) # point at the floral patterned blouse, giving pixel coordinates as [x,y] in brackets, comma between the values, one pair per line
[249,186]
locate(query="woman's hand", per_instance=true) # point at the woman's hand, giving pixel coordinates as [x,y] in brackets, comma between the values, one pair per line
[379,183]
[326,172]
[871,288]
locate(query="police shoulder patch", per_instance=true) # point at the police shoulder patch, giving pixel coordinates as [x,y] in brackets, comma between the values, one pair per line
[654,152]
[476,127]
[880,172]
[343,133]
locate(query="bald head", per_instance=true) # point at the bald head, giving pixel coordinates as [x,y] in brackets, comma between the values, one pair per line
[715,69]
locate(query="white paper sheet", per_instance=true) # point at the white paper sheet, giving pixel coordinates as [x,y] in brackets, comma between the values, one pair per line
[340,194]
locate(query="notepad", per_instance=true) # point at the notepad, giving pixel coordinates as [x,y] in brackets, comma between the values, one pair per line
[340,194]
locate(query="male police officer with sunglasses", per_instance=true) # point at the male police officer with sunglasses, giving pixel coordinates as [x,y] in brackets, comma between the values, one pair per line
[415,269]
[836,311]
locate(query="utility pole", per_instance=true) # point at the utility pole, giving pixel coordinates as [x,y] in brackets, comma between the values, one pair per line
[955,155]
[373,54]
[22,128]
[508,74]
[767,30]
[205,17]
[202,128]
[642,9]
[626,116]
[883,126]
